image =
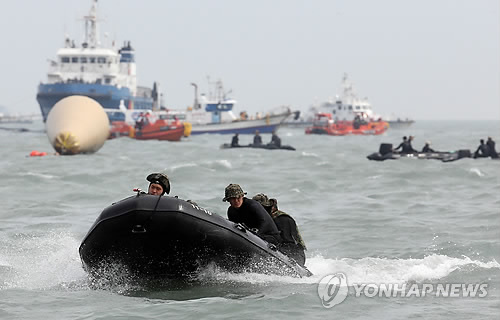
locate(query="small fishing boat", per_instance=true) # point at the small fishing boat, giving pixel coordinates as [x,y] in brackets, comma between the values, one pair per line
[162,237]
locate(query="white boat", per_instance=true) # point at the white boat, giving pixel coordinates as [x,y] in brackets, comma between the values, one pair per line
[345,107]
[213,113]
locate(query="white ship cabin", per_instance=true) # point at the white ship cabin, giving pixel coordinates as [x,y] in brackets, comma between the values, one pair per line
[348,106]
[92,63]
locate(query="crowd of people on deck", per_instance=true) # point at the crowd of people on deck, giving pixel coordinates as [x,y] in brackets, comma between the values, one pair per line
[257,140]
[259,214]
[484,150]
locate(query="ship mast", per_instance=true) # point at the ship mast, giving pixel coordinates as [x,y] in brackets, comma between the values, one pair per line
[91,34]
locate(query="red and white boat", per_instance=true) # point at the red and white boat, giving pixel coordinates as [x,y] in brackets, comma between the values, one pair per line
[150,125]
[348,114]
[323,123]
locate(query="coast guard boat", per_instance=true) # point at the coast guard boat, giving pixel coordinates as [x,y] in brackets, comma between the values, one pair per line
[348,114]
[345,107]
[105,74]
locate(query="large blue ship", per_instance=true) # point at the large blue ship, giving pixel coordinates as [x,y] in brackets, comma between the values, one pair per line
[105,74]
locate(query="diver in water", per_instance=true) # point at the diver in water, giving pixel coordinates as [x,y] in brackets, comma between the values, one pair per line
[250,213]
[158,184]
[291,244]
[483,151]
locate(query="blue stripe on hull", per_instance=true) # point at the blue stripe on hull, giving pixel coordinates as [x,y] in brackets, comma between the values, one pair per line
[247,130]
[107,96]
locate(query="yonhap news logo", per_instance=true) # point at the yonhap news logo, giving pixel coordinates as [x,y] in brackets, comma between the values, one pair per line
[333,289]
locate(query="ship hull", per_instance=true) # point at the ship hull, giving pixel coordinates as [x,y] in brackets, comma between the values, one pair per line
[107,96]
[267,125]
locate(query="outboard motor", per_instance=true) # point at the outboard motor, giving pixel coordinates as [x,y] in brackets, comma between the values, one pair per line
[385,148]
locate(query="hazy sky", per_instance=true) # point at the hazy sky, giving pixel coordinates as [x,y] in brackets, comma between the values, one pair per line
[423,59]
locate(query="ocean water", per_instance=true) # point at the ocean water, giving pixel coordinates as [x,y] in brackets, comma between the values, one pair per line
[400,222]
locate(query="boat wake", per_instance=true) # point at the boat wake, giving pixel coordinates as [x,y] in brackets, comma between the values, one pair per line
[51,261]
[367,270]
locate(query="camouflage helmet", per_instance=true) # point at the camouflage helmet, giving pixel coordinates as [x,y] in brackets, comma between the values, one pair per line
[161,179]
[262,199]
[233,191]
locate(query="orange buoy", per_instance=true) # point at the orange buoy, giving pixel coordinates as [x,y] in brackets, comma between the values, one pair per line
[36,153]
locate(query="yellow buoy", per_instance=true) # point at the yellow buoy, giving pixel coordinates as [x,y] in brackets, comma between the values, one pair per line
[187,129]
[77,124]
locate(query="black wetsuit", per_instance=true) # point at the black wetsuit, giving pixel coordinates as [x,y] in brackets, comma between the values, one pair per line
[253,215]
[427,149]
[482,151]
[275,141]
[290,244]
[491,148]
[400,145]
[235,141]
[407,148]
[257,140]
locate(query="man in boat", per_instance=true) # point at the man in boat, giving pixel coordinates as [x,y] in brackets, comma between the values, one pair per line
[401,144]
[491,148]
[158,184]
[235,141]
[250,213]
[483,151]
[257,139]
[357,122]
[139,124]
[275,140]
[406,146]
[291,241]
[427,147]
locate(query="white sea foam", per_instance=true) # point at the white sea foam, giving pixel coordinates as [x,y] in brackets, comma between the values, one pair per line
[365,270]
[44,262]
[182,166]
[310,154]
[477,172]
[39,175]
[224,163]
[382,270]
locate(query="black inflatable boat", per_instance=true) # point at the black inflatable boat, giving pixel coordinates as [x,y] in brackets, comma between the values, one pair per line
[261,146]
[386,153]
[165,237]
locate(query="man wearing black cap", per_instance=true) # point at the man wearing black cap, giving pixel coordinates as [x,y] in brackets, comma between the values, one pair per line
[158,184]
[251,213]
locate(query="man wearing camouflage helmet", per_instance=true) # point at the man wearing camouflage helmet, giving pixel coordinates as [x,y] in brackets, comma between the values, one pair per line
[292,244]
[250,213]
[158,184]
